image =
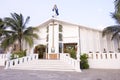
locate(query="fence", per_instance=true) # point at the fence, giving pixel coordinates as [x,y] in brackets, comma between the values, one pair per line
[104,60]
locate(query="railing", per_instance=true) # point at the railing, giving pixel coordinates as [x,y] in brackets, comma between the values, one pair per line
[104,55]
[104,60]
[75,63]
[2,59]
[11,63]
[2,56]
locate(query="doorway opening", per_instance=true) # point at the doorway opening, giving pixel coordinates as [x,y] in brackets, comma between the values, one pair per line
[40,50]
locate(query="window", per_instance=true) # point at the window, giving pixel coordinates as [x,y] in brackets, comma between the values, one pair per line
[47,38]
[60,33]
[60,37]
[60,28]
[60,47]
[47,29]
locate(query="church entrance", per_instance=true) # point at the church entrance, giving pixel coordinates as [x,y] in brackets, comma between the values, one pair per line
[40,50]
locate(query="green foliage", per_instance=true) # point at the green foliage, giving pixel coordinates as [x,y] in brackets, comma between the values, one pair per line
[84,61]
[18,31]
[18,54]
[72,53]
[13,56]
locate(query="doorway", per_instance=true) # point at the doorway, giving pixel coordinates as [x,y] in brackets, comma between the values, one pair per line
[40,50]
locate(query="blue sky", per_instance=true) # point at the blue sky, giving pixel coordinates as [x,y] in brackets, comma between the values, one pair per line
[89,13]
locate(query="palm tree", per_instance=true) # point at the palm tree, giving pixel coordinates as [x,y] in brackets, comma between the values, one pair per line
[3,31]
[114,30]
[18,31]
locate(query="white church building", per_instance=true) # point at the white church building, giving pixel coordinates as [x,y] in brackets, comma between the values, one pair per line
[58,35]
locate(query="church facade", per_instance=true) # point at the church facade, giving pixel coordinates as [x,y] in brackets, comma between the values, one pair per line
[60,36]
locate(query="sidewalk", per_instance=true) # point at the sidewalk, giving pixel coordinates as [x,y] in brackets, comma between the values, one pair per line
[90,74]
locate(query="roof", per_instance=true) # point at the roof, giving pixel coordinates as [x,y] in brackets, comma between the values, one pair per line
[64,22]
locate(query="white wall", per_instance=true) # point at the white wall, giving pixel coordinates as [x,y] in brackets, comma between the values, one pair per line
[90,40]
[70,34]
[56,38]
[42,35]
[83,40]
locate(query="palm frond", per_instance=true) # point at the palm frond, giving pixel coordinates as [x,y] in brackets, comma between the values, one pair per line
[111,30]
[117,5]
[116,16]
[115,35]
[26,21]
[29,40]
[31,30]
[8,41]
[10,23]
[18,19]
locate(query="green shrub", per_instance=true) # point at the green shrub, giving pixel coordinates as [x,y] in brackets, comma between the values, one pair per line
[73,54]
[13,56]
[84,61]
[18,54]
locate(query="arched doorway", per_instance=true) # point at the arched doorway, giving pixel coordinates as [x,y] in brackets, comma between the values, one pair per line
[40,50]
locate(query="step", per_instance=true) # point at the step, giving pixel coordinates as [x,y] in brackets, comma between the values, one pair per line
[52,65]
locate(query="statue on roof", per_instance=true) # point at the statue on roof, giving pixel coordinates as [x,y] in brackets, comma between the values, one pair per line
[55,10]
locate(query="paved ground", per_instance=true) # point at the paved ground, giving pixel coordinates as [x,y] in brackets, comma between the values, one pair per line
[91,74]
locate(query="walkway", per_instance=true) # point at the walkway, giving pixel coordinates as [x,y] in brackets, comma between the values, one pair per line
[91,74]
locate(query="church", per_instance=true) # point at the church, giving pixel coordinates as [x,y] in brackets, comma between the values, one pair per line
[59,36]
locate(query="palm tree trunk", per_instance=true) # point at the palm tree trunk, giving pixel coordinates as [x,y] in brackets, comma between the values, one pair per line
[20,44]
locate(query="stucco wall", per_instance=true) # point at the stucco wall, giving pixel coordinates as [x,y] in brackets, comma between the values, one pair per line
[42,33]
[70,34]
[90,40]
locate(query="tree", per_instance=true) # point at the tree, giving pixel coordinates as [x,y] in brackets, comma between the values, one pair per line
[114,30]
[18,31]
